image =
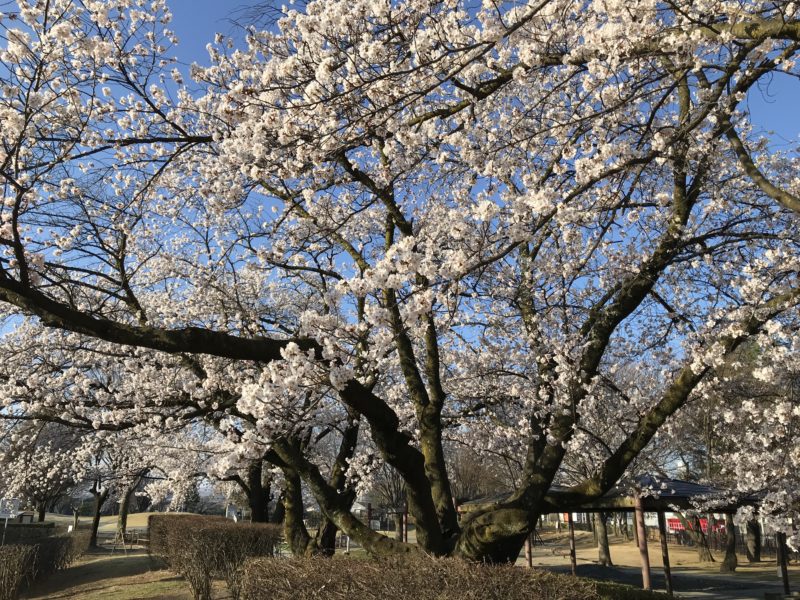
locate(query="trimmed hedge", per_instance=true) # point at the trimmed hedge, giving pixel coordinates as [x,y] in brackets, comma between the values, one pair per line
[420,578]
[15,563]
[202,548]
[27,561]
[28,532]
[158,526]
[58,552]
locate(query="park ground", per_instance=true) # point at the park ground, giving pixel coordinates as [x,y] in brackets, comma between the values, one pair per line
[116,575]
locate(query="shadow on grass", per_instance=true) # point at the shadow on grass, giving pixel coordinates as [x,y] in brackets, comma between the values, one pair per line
[100,571]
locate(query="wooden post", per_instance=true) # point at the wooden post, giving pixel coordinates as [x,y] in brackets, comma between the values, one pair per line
[369,515]
[642,533]
[780,542]
[662,531]
[405,522]
[572,558]
[528,551]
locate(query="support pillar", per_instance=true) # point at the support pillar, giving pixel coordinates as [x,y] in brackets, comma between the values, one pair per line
[642,534]
[405,522]
[662,531]
[780,543]
[572,558]
[528,551]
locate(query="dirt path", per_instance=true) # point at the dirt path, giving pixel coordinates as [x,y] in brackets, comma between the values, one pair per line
[102,575]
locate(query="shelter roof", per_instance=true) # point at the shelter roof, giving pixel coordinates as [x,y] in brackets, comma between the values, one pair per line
[657,493]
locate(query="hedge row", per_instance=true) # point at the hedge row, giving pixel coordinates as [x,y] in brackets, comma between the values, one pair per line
[420,578]
[203,548]
[15,561]
[24,562]
[159,525]
[28,532]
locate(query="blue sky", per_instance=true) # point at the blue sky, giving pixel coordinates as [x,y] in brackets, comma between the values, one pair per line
[775,106]
[196,22]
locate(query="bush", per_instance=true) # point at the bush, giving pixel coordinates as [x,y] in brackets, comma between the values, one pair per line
[51,554]
[420,578]
[200,548]
[15,563]
[27,532]
[79,544]
[34,559]
[159,525]
[59,551]
[616,591]
[31,560]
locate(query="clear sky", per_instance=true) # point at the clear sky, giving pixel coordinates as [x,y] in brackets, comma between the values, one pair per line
[196,22]
[775,105]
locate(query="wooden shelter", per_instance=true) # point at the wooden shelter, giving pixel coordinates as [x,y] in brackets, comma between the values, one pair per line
[646,493]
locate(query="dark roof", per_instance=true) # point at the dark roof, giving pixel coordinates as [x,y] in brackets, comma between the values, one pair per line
[658,493]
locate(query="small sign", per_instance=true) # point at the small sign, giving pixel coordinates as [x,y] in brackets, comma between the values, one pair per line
[9,508]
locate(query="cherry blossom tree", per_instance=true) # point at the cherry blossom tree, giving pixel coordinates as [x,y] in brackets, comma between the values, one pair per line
[39,464]
[440,220]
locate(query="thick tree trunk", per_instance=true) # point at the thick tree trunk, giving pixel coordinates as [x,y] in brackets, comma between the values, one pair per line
[99,500]
[753,541]
[125,505]
[695,533]
[730,561]
[258,494]
[603,551]
[124,509]
[280,511]
[495,536]
[42,509]
[294,530]
[624,527]
[325,540]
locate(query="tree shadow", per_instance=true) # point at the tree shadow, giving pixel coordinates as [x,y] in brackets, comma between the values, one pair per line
[99,566]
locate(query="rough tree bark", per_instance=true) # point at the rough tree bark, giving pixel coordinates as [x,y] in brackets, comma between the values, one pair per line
[125,506]
[294,530]
[695,532]
[279,513]
[100,497]
[753,541]
[730,562]
[258,492]
[603,551]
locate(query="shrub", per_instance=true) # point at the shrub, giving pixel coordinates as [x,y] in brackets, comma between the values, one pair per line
[15,564]
[420,578]
[79,544]
[159,525]
[233,544]
[37,558]
[200,548]
[51,554]
[56,553]
[27,532]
